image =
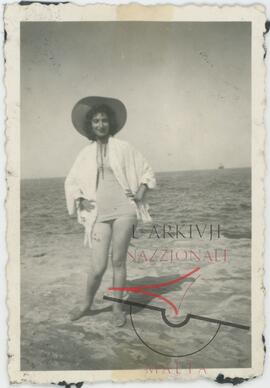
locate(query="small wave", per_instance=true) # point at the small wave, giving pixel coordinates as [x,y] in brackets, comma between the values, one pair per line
[237,235]
[245,206]
[68,232]
[40,254]
[228,207]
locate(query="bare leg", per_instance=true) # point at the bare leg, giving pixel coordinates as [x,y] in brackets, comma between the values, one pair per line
[122,233]
[102,234]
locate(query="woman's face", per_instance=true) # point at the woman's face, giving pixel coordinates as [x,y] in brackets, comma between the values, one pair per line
[100,125]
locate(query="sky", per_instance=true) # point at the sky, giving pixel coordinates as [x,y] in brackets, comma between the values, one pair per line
[186,87]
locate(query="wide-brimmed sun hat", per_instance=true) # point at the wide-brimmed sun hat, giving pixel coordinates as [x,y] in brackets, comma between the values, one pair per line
[85,105]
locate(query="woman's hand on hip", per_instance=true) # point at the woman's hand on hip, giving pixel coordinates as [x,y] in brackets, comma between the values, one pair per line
[129,194]
[87,205]
[139,195]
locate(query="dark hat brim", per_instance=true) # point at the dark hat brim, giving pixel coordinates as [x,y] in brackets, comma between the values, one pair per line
[85,105]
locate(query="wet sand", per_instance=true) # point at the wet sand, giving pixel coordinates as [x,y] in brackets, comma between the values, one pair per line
[53,277]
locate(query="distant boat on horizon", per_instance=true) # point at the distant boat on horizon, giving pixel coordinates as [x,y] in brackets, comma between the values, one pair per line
[221,167]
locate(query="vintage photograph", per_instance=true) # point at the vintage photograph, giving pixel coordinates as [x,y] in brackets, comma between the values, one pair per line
[136,196]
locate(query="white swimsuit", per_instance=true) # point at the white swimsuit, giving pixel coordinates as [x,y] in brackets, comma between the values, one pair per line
[112,202]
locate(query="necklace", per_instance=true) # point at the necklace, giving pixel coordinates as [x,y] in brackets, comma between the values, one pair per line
[101,154]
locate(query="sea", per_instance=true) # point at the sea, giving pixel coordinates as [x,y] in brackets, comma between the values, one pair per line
[204,197]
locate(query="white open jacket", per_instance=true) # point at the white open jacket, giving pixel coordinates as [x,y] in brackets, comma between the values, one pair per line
[130,169]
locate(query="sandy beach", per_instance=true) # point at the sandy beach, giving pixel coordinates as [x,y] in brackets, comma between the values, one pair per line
[54,284]
[54,265]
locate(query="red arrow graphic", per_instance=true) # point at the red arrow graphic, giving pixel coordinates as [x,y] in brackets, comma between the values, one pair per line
[142,289]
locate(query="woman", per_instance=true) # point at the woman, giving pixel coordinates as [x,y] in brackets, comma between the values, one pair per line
[106,188]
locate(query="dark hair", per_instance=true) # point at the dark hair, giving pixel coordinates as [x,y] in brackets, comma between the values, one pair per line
[100,109]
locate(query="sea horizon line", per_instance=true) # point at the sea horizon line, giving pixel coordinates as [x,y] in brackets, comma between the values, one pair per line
[156,172]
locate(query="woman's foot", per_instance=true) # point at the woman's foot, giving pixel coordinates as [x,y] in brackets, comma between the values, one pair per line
[78,312]
[119,318]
